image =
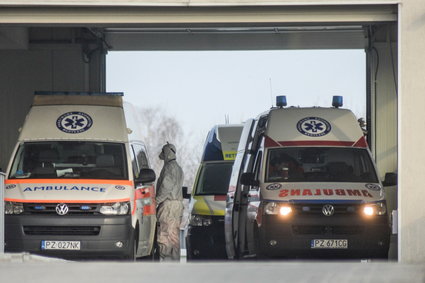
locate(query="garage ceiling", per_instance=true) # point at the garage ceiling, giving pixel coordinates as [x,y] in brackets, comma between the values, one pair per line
[204,28]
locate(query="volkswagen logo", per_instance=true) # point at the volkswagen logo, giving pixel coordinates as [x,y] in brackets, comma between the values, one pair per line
[62,209]
[373,187]
[328,210]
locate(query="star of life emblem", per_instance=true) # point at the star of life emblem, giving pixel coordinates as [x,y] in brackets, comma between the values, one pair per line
[313,126]
[74,122]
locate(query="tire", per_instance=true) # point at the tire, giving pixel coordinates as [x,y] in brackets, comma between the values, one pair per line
[154,255]
[380,256]
[132,249]
[258,245]
[189,251]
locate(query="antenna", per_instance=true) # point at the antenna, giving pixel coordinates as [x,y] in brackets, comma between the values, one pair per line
[271,92]
[226,119]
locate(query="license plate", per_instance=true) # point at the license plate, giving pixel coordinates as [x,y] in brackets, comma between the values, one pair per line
[329,244]
[60,245]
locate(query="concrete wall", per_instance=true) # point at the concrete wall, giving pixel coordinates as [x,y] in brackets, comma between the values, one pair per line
[382,64]
[384,107]
[385,134]
[186,3]
[382,71]
[411,101]
[41,67]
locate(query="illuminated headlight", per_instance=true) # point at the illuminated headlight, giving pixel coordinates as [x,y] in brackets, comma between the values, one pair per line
[285,210]
[118,208]
[378,208]
[13,207]
[200,220]
[273,208]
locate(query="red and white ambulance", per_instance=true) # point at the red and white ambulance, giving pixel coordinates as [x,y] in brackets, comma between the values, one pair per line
[79,183]
[304,184]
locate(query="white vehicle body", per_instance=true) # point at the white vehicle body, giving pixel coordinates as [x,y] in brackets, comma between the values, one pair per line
[304,184]
[74,185]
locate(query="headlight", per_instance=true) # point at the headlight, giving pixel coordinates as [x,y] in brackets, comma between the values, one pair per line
[200,220]
[285,210]
[377,208]
[13,207]
[273,208]
[118,208]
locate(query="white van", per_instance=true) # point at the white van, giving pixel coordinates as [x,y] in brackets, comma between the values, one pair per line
[79,183]
[304,184]
[205,233]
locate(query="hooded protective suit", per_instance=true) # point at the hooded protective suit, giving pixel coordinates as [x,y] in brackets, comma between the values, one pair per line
[169,199]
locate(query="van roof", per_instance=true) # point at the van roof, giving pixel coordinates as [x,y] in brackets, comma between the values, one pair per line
[313,126]
[78,98]
[75,117]
[222,142]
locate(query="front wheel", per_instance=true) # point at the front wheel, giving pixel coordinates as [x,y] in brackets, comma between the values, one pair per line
[154,254]
[258,244]
[132,249]
[379,256]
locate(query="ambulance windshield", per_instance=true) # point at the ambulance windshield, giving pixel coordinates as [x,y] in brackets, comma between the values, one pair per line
[69,159]
[214,178]
[320,164]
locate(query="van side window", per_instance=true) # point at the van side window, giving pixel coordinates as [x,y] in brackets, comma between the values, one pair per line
[134,164]
[257,165]
[141,159]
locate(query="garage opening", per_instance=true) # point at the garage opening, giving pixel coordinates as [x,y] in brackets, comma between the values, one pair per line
[199,89]
[65,49]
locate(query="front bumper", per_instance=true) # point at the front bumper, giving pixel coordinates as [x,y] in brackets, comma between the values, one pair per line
[292,237]
[97,234]
[206,242]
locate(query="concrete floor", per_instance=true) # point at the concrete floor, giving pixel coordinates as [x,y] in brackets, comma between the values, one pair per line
[28,268]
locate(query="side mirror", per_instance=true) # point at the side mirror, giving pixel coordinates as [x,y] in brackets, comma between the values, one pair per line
[186,195]
[146,175]
[390,179]
[247,179]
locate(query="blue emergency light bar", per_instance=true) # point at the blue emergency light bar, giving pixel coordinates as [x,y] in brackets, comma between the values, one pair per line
[337,101]
[81,93]
[281,100]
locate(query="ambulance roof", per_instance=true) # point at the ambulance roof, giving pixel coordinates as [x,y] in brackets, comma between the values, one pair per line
[72,116]
[222,142]
[313,126]
[78,98]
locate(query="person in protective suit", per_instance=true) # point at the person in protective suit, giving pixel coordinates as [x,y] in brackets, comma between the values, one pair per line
[169,200]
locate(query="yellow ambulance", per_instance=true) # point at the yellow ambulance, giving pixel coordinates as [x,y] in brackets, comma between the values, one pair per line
[205,233]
